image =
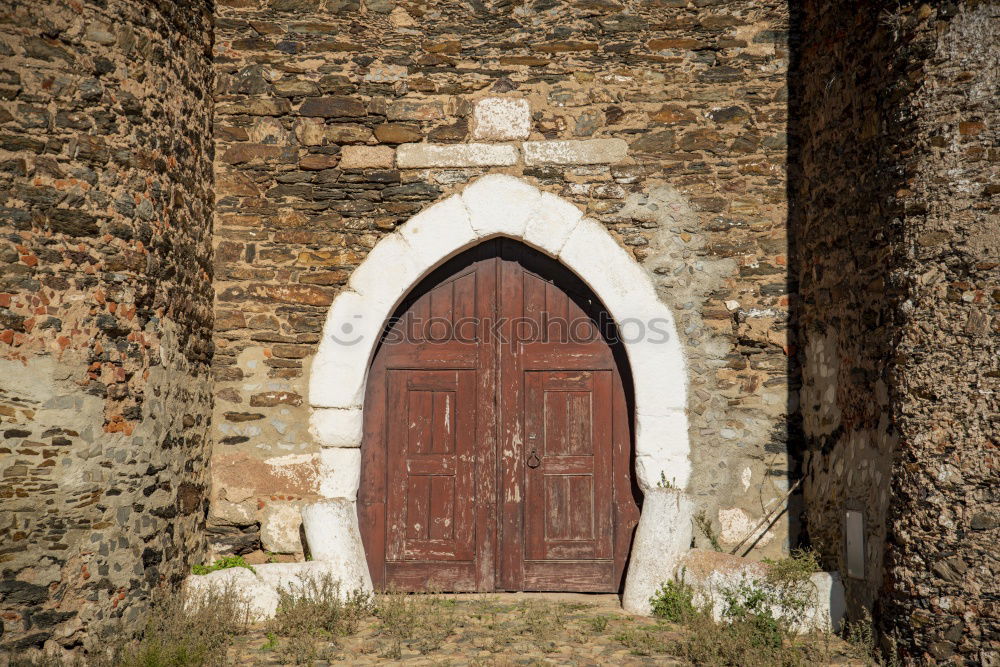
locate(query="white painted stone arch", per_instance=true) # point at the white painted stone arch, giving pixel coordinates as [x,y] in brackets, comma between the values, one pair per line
[498,205]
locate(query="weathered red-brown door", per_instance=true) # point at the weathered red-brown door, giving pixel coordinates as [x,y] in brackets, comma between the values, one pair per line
[497,447]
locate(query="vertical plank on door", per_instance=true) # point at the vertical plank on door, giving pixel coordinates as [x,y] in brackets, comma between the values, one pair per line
[511,428]
[626,510]
[484,305]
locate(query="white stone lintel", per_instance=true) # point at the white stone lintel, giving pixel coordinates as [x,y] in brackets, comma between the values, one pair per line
[582,151]
[421,156]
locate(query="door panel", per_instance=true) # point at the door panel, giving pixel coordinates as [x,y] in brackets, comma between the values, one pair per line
[569,506]
[431,465]
[497,463]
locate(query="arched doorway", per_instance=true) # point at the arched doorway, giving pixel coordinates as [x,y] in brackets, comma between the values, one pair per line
[497,433]
[495,206]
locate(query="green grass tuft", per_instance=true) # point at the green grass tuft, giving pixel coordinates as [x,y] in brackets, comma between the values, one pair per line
[223,563]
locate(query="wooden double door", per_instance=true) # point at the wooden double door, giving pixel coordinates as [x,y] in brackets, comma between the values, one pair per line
[496,451]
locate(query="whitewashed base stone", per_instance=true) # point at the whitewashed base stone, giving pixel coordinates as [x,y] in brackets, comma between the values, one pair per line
[661,540]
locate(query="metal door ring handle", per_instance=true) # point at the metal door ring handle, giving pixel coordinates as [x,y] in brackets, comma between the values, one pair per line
[537,461]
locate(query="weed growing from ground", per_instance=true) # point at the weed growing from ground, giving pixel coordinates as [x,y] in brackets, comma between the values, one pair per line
[190,629]
[674,601]
[272,642]
[860,635]
[318,605]
[749,609]
[759,618]
[398,619]
[599,624]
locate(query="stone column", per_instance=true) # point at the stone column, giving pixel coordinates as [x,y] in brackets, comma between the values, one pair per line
[661,541]
[334,538]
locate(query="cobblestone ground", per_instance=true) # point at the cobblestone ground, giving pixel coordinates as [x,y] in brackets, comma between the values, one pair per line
[501,629]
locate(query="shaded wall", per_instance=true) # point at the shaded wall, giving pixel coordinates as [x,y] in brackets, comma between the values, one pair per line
[105,309]
[894,236]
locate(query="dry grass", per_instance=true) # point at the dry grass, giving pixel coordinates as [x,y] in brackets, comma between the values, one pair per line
[421,622]
[312,615]
[188,629]
[185,629]
[646,640]
[317,623]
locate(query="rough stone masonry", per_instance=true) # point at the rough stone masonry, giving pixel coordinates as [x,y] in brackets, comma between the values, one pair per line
[105,310]
[895,242]
[187,187]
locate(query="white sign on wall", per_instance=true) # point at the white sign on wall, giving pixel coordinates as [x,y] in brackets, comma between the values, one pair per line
[854,531]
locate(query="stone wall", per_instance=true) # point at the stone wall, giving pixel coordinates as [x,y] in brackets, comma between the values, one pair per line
[896,248]
[336,121]
[105,310]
